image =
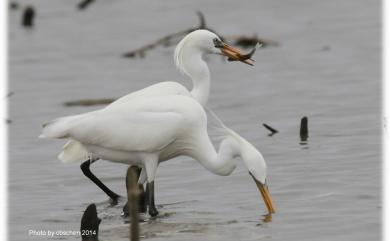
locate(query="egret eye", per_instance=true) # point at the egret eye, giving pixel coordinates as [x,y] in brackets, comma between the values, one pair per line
[217,43]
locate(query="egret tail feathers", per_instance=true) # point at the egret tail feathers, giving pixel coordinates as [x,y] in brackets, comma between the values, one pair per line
[58,128]
[73,151]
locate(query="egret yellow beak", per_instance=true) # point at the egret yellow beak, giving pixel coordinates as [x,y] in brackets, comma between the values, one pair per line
[263,188]
[234,54]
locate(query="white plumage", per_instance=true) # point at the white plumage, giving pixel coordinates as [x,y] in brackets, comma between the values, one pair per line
[160,122]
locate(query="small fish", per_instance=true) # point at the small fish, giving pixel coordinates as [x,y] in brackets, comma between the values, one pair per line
[245,57]
[235,54]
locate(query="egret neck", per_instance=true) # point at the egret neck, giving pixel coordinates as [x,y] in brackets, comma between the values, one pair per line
[221,163]
[189,60]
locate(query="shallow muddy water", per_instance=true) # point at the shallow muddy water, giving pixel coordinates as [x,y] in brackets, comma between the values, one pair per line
[327,67]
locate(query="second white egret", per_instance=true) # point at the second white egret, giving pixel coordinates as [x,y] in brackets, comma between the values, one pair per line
[146,131]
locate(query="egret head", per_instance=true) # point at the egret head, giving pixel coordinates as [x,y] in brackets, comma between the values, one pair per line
[243,149]
[203,40]
[200,42]
[258,171]
[257,168]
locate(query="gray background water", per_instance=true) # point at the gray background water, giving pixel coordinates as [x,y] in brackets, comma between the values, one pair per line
[327,67]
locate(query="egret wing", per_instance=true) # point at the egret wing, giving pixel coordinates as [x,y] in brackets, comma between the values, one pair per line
[143,131]
[159,89]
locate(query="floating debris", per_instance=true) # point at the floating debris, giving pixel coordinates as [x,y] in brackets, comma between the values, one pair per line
[325,48]
[89,102]
[28,17]
[304,131]
[13,5]
[89,228]
[11,93]
[250,41]
[272,130]
[84,4]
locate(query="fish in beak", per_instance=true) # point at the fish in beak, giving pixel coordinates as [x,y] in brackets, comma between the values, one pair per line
[263,188]
[235,54]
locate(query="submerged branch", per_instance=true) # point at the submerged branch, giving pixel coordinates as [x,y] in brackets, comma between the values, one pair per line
[167,40]
[173,39]
[272,130]
[89,102]
[84,4]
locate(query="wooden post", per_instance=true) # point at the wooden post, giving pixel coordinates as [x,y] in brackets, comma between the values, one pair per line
[89,228]
[304,131]
[28,17]
[133,197]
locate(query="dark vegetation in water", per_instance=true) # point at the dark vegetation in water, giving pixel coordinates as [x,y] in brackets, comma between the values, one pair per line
[28,17]
[166,41]
[13,5]
[173,38]
[84,4]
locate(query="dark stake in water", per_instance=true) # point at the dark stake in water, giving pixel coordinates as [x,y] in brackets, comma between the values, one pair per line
[304,130]
[89,228]
[28,17]
[133,199]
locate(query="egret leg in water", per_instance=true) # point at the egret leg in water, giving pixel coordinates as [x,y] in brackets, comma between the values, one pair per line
[87,172]
[150,199]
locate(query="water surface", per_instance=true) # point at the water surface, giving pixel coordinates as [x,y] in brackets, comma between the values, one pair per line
[327,67]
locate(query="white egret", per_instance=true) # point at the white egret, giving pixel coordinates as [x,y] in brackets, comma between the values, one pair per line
[146,131]
[189,59]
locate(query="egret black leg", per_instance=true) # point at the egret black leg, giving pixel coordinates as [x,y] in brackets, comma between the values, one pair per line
[142,199]
[87,172]
[150,199]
